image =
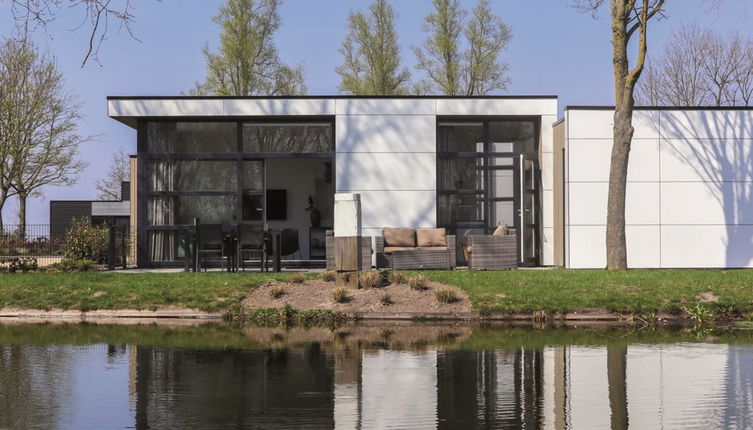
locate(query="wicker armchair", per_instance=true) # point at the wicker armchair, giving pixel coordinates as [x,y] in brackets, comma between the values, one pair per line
[490,252]
[417,258]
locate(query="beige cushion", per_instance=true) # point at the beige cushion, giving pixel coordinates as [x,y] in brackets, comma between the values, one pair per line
[432,248]
[399,237]
[501,231]
[431,237]
[388,249]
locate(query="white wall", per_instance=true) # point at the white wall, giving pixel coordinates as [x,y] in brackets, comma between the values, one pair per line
[689,193]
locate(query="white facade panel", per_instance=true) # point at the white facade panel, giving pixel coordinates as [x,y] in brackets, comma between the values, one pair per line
[590,158]
[398,209]
[511,106]
[279,107]
[386,171]
[707,246]
[547,246]
[547,211]
[713,124]
[588,246]
[164,107]
[547,170]
[546,138]
[693,159]
[397,106]
[588,202]
[699,203]
[599,124]
[389,133]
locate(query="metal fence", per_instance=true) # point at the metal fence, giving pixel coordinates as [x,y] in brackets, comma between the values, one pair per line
[47,245]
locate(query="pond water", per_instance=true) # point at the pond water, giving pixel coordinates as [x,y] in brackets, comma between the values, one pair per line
[373,376]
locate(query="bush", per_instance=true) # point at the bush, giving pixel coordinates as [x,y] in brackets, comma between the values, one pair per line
[329,276]
[398,278]
[298,278]
[368,280]
[18,264]
[340,295]
[276,291]
[446,295]
[418,282]
[70,265]
[386,300]
[85,241]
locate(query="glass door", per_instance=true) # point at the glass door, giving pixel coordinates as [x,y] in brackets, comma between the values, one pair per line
[253,208]
[527,211]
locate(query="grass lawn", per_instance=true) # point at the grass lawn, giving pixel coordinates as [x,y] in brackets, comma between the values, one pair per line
[211,291]
[636,291]
[633,291]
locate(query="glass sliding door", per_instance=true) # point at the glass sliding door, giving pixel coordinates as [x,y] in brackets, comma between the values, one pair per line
[487,177]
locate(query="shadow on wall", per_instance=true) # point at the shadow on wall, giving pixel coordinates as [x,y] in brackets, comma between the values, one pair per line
[717,146]
[378,155]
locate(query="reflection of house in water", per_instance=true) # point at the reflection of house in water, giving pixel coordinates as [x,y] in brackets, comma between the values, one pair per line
[348,385]
[233,388]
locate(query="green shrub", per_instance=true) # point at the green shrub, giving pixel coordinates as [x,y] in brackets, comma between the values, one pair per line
[329,276]
[446,295]
[69,265]
[298,278]
[418,282]
[85,241]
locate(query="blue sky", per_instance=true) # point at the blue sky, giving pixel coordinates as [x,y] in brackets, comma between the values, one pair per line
[555,50]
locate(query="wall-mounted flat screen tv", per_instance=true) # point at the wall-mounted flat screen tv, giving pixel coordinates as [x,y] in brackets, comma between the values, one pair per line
[277,205]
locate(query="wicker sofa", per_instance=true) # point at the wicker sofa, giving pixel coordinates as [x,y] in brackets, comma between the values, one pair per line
[409,248]
[330,250]
[493,252]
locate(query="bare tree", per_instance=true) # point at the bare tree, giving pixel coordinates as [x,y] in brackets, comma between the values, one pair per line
[109,187]
[33,14]
[475,70]
[628,19]
[700,67]
[42,141]
[247,62]
[372,54]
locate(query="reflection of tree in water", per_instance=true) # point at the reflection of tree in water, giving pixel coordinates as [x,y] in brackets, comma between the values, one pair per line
[34,384]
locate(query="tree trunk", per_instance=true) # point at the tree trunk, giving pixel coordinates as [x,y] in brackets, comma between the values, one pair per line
[22,215]
[618,169]
[616,376]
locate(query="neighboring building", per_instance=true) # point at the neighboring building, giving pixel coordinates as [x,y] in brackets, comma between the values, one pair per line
[113,212]
[465,163]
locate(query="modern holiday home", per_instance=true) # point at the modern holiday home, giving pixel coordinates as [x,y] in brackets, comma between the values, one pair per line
[468,164]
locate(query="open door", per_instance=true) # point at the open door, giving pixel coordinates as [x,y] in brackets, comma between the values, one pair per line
[527,210]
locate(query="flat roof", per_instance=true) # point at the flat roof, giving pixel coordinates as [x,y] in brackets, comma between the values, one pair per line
[586,107]
[326,96]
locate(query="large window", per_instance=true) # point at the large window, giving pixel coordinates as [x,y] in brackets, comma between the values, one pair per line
[214,171]
[478,184]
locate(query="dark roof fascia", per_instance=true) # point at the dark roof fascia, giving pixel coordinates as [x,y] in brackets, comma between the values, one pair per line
[663,108]
[88,201]
[503,97]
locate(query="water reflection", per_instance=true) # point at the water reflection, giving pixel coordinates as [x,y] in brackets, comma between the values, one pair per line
[373,377]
